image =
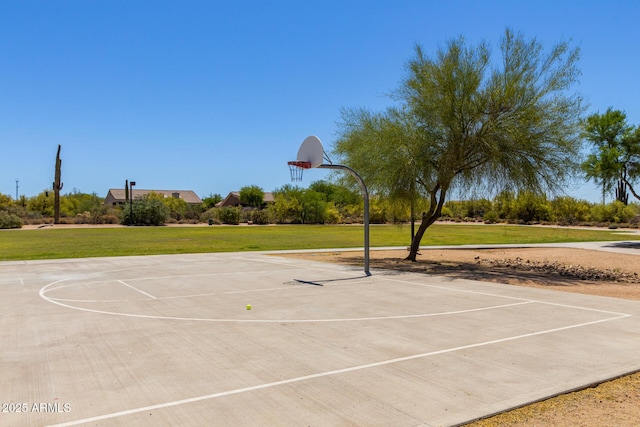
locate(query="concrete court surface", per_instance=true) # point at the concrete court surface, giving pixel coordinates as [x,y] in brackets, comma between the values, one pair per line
[169,340]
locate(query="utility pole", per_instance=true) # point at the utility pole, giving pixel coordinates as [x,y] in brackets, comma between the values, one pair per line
[17,189]
[131,184]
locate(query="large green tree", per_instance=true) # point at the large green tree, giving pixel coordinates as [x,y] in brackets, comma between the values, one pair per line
[252,196]
[465,121]
[615,158]
[211,200]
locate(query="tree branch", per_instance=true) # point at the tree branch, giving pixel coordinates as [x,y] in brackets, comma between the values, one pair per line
[631,188]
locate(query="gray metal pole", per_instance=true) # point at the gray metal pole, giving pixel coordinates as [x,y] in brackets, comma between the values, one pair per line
[365,195]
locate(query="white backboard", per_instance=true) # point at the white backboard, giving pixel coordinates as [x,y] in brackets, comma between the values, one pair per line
[311,151]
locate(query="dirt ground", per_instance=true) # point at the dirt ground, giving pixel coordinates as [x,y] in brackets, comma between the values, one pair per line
[614,403]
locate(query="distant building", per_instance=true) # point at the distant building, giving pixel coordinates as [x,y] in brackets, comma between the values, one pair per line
[233,199]
[116,196]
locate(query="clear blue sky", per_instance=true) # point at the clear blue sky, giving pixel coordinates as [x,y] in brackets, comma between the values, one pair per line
[213,96]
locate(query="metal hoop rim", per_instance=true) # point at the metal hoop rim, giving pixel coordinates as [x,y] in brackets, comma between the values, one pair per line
[300,164]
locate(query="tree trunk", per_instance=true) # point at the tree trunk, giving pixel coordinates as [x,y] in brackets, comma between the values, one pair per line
[435,211]
[415,243]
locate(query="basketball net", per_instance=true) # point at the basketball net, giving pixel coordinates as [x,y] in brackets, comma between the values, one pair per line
[297,168]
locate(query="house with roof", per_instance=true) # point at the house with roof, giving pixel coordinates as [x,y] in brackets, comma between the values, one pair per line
[233,199]
[116,196]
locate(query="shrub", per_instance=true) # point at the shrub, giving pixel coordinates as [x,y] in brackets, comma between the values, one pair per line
[261,216]
[314,208]
[377,211]
[568,211]
[104,215]
[146,211]
[530,208]
[209,214]
[491,217]
[229,215]
[333,214]
[107,218]
[446,212]
[8,220]
[176,207]
[287,206]
[615,212]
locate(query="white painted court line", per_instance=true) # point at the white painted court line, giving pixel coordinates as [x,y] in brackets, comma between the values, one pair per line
[246,291]
[44,290]
[520,300]
[330,373]
[452,289]
[577,307]
[108,301]
[136,289]
[186,276]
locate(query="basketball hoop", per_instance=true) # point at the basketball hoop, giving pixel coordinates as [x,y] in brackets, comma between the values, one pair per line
[297,167]
[312,155]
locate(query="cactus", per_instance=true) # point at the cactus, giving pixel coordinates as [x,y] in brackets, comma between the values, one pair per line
[621,192]
[57,186]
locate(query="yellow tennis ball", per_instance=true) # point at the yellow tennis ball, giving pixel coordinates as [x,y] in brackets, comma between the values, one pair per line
[248,306]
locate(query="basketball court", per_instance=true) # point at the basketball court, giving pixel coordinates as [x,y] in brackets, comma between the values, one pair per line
[256,339]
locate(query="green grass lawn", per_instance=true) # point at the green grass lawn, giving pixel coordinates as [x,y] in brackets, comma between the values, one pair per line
[50,243]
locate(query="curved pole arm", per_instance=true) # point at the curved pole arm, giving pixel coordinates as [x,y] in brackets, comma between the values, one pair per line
[365,195]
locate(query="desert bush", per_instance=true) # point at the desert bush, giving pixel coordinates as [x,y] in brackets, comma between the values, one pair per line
[110,217]
[261,216]
[208,214]
[529,207]
[491,217]
[42,203]
[5,202]
[447,213]
[104,215]
[229,215]
[9,220]
[145,211]
[568,211]
[377,211]
[314,207]
[616,212]
[287,206]
[176,207]
[333,214]
[77,203]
